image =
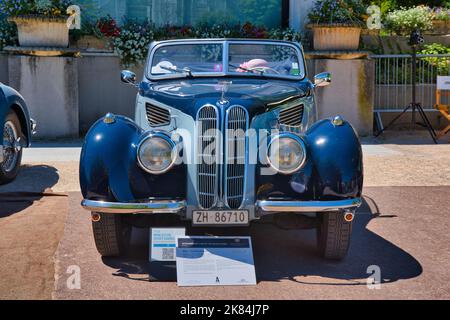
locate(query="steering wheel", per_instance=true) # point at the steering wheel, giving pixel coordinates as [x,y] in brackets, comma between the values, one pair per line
[264,69]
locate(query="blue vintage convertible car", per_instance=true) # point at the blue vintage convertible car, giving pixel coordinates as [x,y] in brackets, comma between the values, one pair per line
[16,134]
[225,133]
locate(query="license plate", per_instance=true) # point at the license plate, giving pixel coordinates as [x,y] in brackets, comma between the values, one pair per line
[239,217]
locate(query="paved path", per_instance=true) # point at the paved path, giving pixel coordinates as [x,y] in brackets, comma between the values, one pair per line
[403,230]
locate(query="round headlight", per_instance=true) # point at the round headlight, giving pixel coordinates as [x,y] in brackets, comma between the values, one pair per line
[287,153]
[157,154]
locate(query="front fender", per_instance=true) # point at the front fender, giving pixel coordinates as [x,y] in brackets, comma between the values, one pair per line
[336,154]
[109,169]
[333,170]
[11,99]
[107,153]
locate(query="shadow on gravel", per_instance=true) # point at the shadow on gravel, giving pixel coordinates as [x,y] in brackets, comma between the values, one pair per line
[32,183]
[281,255]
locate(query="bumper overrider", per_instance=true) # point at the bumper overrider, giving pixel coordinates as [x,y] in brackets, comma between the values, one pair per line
[264,206]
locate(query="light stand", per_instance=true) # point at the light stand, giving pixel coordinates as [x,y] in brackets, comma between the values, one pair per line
[415,40]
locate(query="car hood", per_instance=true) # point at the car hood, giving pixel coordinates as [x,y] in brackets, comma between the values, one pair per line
[255,94]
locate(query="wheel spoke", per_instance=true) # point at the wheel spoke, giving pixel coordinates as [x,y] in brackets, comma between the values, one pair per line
[10,149]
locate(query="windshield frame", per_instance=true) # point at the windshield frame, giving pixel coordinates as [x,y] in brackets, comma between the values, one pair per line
[225,59]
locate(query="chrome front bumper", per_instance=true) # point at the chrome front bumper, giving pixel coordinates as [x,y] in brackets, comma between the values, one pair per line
[265,206]
[308,206]
[133,208]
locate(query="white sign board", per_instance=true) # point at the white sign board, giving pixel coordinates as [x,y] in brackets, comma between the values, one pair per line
[163,243]
[443,82]
[215,261]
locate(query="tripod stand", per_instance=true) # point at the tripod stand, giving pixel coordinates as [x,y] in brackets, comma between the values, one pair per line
[414,105]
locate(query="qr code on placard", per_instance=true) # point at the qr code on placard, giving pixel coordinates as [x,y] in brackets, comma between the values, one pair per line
[168,253]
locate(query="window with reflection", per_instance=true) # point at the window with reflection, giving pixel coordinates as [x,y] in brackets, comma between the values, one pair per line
[192,12]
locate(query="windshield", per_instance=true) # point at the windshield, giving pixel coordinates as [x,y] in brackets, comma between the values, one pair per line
[263,59]
[198,58]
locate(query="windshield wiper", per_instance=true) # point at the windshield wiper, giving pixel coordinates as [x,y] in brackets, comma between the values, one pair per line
[261,72]
[175,69]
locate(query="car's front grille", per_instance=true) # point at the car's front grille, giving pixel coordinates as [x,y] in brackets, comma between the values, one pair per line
[156,116]
[207,163]
[217,180]
[236,125]
[292,116]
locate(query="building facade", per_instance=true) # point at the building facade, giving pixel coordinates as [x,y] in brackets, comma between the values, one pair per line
[269,13]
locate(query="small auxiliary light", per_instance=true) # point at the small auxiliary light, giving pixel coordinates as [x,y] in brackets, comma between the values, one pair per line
[109,118]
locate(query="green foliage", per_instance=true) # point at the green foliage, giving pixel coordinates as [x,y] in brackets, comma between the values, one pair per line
[442,64]
[8,33]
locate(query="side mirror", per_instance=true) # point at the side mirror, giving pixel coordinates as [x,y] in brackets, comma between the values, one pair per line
[128,77]
[322,79]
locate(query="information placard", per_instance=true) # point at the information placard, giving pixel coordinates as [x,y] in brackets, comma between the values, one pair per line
[163,243]
[215,261]
[443,82]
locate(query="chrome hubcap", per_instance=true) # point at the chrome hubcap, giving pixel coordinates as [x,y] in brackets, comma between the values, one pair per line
[11,147]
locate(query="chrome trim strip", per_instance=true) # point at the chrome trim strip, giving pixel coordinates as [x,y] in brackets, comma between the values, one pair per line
[225,180]
[307,206]
[133,208]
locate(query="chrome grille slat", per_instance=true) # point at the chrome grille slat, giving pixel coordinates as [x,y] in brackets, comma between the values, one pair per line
[157,116]
[292,116]
[235,156]
[207,164]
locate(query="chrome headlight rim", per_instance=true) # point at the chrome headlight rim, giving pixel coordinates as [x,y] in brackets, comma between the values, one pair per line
[172,144]
[297,139]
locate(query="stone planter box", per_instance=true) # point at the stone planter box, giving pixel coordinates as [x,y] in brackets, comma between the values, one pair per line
[92,43]
[335,37]
[440,27]
[41,31]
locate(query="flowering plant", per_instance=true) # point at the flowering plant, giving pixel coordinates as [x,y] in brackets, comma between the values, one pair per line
[350,12]
[405,21]
[132,39]
[8,33]
[51,8]
[132,42]
[441,14]
[285,34]
[107,27]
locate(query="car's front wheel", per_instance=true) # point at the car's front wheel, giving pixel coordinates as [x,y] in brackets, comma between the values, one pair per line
[111,234]
[333,235]
[12,151]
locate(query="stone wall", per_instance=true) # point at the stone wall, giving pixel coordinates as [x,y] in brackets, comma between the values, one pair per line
[100,90]
[50,88]
[351,93]
[4,77]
